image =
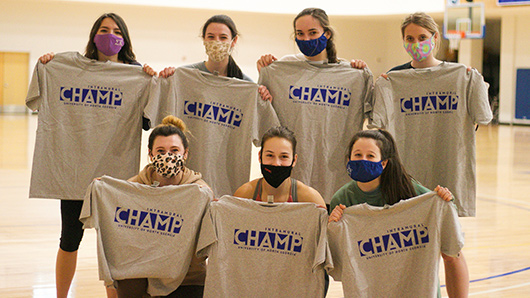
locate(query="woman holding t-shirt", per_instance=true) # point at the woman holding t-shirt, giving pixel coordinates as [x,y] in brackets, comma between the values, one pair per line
[109,40]
[168,150]
[379,178]
[277,158]
[315,38]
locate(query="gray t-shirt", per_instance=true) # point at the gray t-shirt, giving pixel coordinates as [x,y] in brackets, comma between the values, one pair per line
[144,231]
[325,105]
[260,250]
[224,116]
[431,113]
[90,123]
[394,251]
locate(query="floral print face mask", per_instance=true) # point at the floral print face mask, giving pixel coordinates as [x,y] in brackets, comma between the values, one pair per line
[218,50]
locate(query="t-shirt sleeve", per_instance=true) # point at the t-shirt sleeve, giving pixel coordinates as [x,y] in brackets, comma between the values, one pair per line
[151,110]
[451,236]
[368,92]
[263,78]
[247,78]
[162,99]
[334,233]
[478,101]
[382,95]
[37,88]
[265,118]
[88,217]
[207,235]
[419,189]
[322,254]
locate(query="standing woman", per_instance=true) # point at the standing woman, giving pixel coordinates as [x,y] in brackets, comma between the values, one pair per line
[277,157]
[447,101]
[379,178]
[168,150]
[315,38]
[109,40]
[219,35]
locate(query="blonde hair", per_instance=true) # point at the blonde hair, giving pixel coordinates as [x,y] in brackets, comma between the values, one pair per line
[425,21]
[170,125]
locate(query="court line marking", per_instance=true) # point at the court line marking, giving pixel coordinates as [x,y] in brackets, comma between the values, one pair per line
[497,276]
[510,203]
[500,289]
[504,201]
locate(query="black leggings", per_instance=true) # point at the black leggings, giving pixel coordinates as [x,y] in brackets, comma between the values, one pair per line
[71,227]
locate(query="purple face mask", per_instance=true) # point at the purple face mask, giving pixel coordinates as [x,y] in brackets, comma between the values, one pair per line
[108,44]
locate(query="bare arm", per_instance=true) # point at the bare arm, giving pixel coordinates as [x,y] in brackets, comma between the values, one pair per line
[309,194]
[246,190]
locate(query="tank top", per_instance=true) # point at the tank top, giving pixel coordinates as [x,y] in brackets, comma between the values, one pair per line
[293,197]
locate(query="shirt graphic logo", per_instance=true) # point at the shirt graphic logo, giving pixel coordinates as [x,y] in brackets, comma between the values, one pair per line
[320,95]
[150,221]
[93,96]
[431,103]
[214,112]
[396,240]
[269,240]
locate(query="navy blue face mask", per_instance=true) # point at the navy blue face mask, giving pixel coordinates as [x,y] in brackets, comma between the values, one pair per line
[364,170]
[312,47]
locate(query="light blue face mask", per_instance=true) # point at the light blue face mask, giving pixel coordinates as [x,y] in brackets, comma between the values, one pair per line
[364,170]
[312,47]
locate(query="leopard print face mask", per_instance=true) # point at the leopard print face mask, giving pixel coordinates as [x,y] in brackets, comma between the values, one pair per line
[168,164]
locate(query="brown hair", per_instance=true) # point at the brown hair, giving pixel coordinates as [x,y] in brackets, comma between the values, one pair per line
[396,184]
[322,17]
[279,132]
[171,125]
[232,70]
[126,53]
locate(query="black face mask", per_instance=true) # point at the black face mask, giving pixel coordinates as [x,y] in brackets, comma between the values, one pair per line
[275,175]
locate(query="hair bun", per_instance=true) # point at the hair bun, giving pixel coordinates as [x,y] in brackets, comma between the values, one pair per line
[175,121]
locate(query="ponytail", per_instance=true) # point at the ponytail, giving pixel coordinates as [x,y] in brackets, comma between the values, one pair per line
[232,70]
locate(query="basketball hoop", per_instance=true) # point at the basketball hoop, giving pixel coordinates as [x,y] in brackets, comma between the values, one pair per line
[454,43]
[454,39]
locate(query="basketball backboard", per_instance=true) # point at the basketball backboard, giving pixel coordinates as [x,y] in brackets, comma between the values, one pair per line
[464,20]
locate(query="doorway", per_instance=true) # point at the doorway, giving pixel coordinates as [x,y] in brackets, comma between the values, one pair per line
[13,82]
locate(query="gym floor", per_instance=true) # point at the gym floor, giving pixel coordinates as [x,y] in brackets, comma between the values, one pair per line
[497,240]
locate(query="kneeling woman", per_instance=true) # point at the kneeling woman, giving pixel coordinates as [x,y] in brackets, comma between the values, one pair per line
[379,178]
[277,158]
[168,150]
